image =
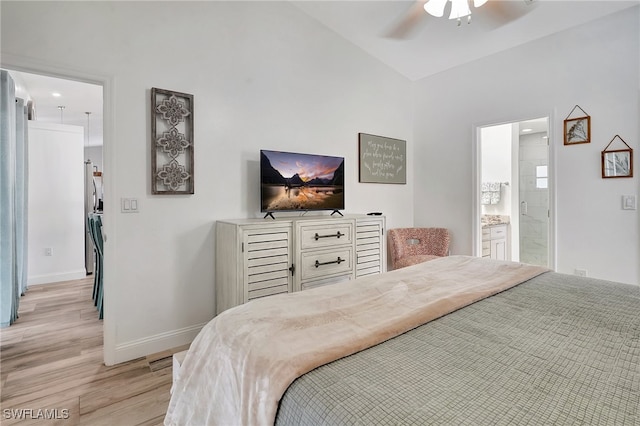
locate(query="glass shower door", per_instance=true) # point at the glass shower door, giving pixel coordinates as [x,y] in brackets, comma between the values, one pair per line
[534,198]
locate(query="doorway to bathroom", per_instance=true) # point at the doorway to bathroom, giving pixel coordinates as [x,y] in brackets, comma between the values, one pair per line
[514,182]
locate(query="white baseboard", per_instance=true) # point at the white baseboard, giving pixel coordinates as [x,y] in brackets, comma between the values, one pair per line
[56,278]
[158,343]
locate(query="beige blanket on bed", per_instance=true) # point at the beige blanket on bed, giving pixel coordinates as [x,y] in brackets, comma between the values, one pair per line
[242,362]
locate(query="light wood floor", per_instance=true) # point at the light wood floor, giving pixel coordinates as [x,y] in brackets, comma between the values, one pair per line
[51,359]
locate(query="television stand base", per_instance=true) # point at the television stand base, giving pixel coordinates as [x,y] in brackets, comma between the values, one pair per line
[269,214]
[337,211]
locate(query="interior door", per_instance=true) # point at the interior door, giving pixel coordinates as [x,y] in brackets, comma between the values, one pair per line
[516,154]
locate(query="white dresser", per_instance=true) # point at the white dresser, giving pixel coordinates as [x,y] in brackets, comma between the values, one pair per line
[324,252]
[263,257]
[371,247]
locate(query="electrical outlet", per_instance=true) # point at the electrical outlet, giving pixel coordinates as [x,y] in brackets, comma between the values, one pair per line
[581,272]
[48,251]
[628,202]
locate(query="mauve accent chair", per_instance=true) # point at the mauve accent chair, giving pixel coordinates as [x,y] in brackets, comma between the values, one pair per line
[410,246]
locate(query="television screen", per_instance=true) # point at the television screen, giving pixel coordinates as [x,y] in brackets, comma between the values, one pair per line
[294,181]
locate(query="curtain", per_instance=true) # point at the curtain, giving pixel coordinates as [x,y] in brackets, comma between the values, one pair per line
[13,200]
[22,200]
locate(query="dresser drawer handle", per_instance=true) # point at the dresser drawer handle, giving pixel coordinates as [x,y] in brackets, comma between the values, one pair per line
[338,261]
[337,235]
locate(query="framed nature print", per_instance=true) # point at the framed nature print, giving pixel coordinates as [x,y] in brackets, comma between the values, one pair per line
[577,130]
[617,163]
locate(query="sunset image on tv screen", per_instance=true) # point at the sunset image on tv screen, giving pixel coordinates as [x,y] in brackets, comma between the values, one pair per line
[295,181]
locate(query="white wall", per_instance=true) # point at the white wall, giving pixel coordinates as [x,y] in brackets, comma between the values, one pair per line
[596,66]
[263,75]
[56,203]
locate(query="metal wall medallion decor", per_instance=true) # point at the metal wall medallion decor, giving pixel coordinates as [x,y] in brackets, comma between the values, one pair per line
[577,130]
[172,142]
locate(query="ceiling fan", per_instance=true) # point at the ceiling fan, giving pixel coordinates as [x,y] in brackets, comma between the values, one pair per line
[459,8]
[495,12]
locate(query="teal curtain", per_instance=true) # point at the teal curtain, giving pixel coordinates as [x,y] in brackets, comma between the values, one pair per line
[13,200]
[22,201]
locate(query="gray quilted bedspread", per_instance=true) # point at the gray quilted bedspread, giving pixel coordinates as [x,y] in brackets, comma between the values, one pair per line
[555,350]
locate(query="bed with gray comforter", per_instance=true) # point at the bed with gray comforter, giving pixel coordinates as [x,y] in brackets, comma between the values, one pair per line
[556,349]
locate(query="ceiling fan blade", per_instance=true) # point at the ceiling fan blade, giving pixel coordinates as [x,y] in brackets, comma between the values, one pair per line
[409,21]
[435,7]
[499,12]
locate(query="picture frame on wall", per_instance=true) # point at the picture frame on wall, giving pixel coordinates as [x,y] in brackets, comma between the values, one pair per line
[172,154]
[382,159]
[577,130]
[617,164]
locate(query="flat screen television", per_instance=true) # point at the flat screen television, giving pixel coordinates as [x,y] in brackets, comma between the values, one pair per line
[291,181]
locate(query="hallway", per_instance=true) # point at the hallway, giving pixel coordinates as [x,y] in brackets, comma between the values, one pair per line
[52,366]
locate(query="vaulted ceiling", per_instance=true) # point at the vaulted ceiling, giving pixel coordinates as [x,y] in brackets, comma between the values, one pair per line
[397,32]
[402,35]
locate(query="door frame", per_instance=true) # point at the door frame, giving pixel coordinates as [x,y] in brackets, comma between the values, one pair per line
[24,64]
[476,228]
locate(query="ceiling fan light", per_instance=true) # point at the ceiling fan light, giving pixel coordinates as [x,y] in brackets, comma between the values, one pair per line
[478,3]
[459,9]
[435,7]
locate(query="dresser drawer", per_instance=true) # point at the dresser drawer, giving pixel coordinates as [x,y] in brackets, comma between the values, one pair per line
[326,235]
[325,281]
[320,263]
[498,232]
[486,234]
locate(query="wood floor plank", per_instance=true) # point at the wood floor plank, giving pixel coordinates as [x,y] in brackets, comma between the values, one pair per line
[11,337]
[117,390]
[157,421]
[80,381]
[51,359]
[131,411]
[61,367]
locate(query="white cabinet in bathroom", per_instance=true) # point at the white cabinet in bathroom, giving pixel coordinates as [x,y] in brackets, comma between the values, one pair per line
[494,241]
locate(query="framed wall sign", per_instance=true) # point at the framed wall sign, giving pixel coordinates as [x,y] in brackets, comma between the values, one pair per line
[382,159]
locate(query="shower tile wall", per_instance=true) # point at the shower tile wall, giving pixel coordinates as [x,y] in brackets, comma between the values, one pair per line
[534,225]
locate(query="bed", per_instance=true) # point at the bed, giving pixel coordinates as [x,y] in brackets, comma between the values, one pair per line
[457,340]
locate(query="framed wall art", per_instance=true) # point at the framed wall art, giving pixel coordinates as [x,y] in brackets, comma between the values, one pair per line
[382,159]
[172,158]
[617,163]
[577,130]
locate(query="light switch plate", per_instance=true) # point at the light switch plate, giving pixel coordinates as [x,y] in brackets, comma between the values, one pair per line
[129,205]
[629,202]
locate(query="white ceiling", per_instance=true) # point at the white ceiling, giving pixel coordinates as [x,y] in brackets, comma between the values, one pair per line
[431,45]
[437,44]
[76,97]
[538,125]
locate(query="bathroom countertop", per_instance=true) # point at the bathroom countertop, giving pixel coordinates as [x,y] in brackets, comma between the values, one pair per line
[493,220]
